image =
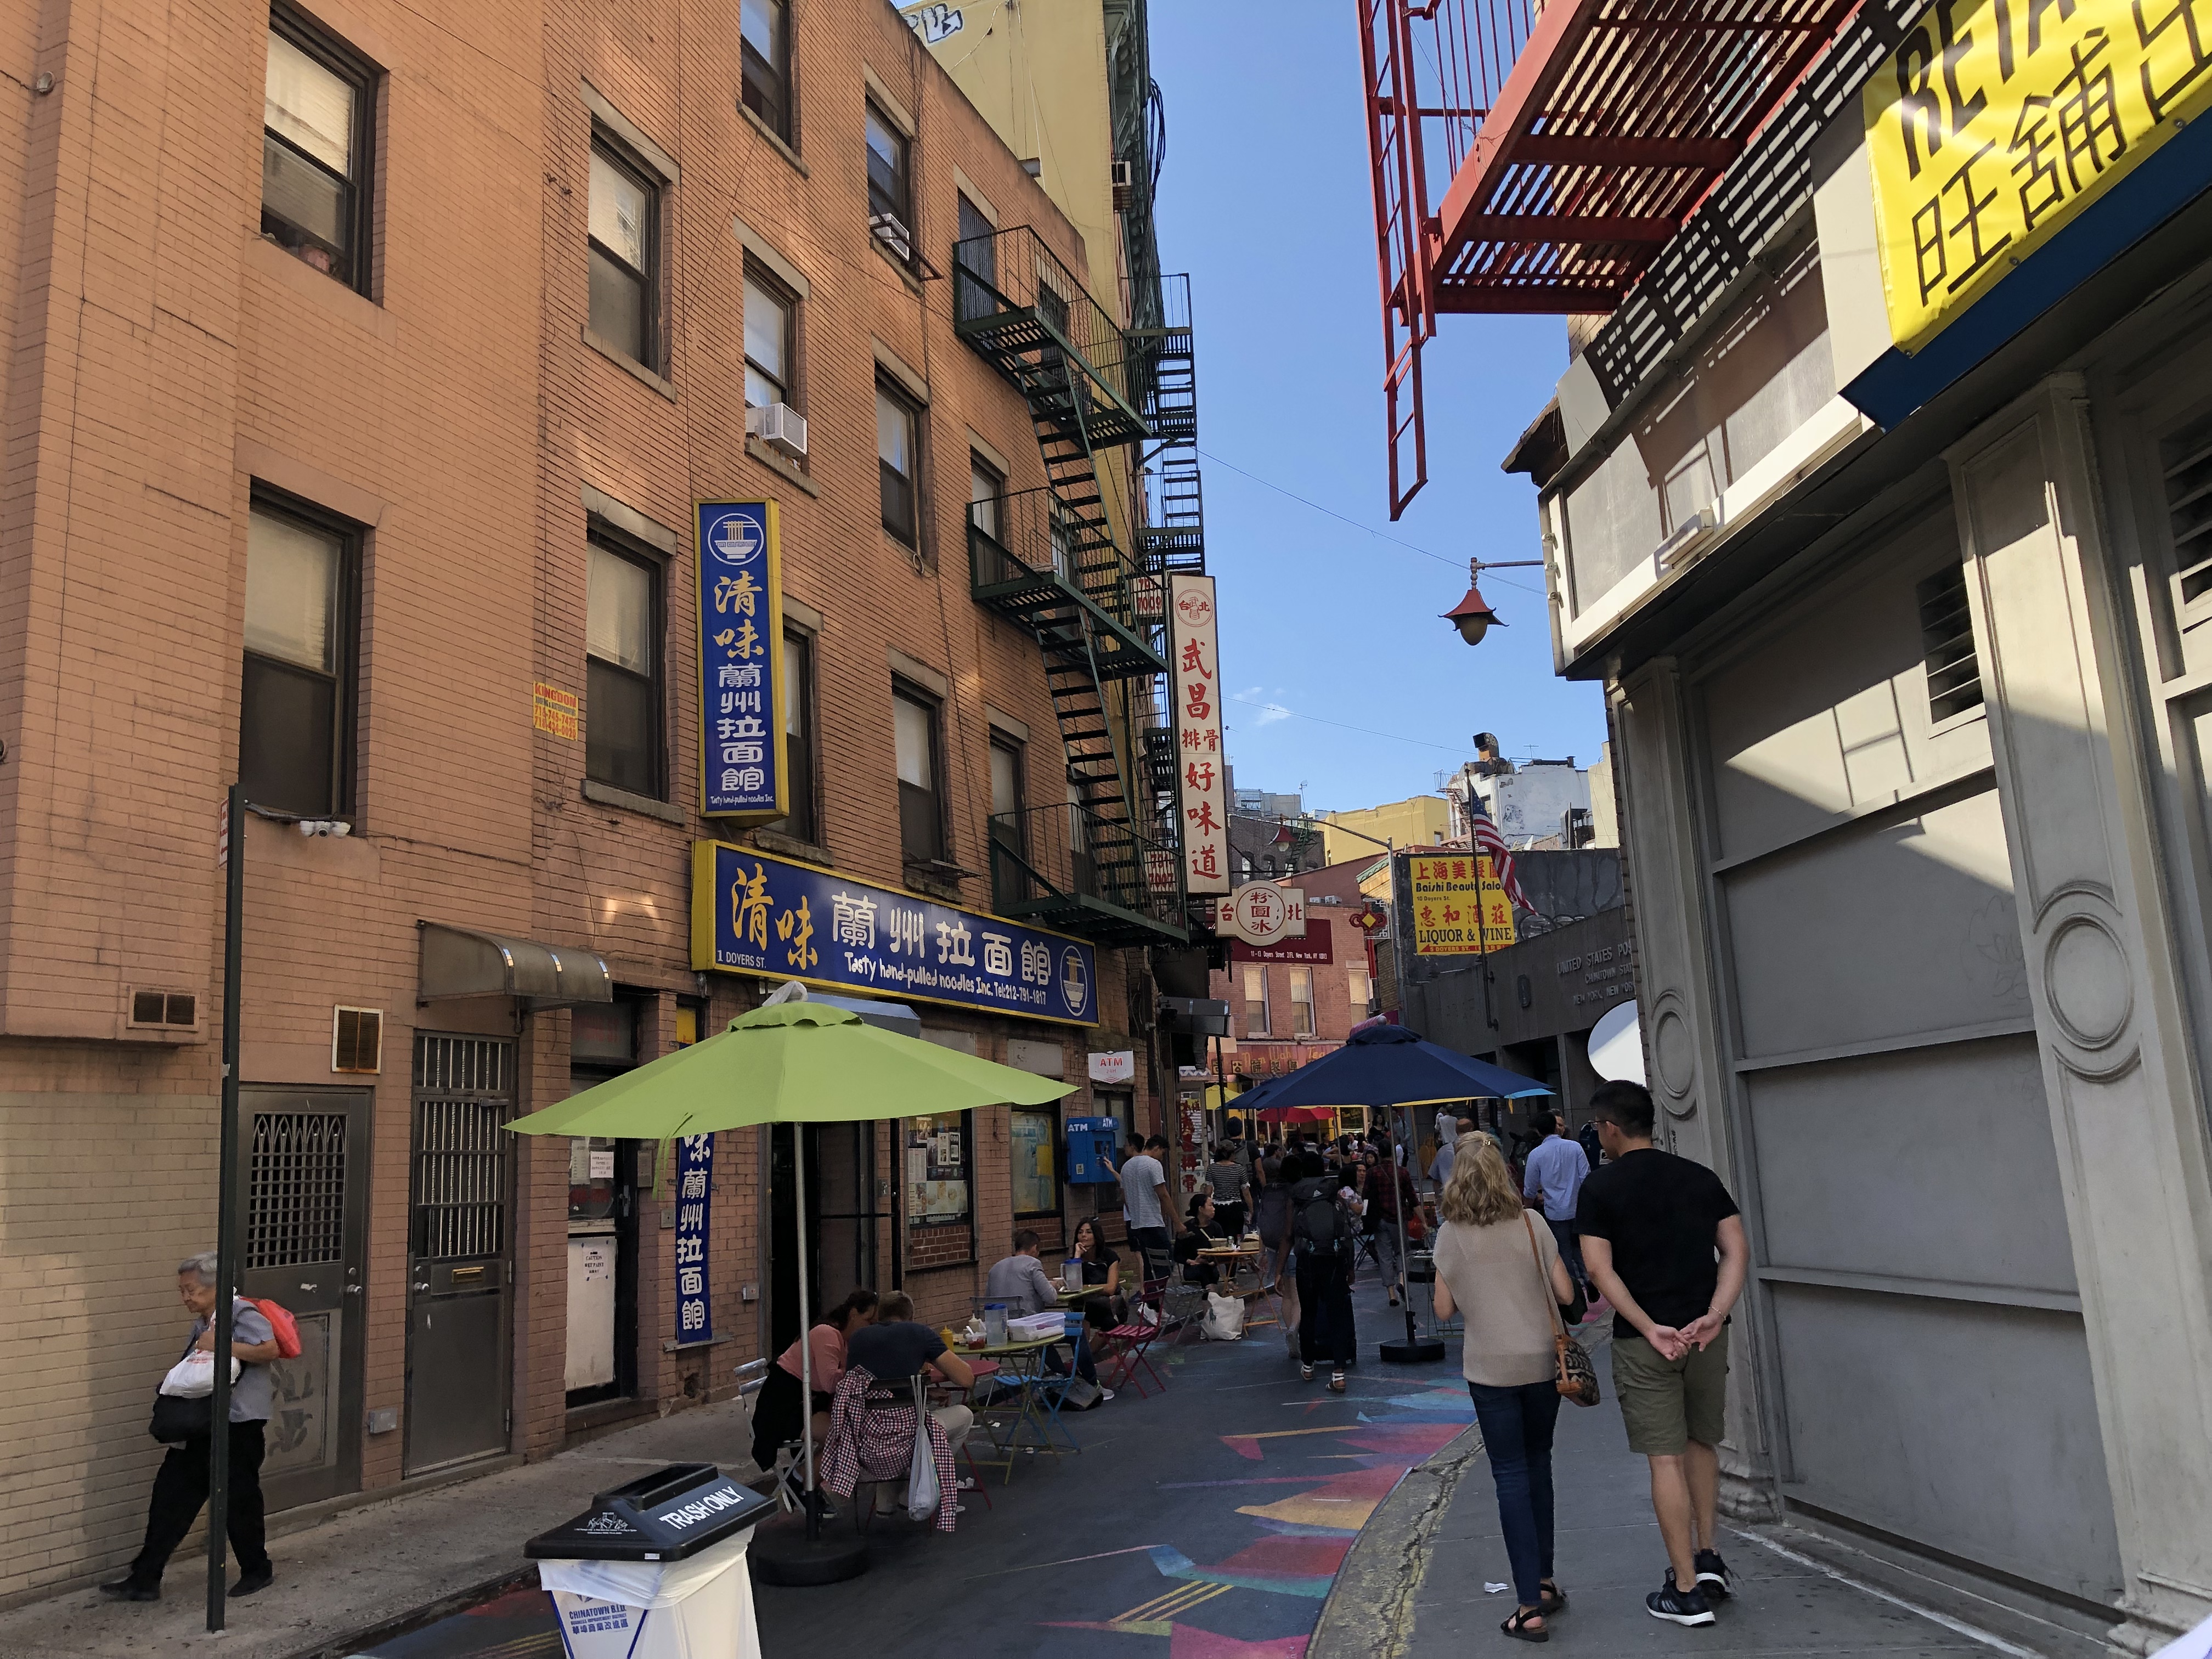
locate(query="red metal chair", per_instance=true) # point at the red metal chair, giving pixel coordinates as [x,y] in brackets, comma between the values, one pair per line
[1134,1339]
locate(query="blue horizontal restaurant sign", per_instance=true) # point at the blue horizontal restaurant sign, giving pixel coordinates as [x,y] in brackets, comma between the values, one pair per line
[754,914]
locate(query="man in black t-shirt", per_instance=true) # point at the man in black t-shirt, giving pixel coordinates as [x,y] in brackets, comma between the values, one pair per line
[896,1349]
[1664,1244]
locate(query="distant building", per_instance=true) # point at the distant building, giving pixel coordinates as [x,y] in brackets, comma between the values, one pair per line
[1536,802]
[1417,821]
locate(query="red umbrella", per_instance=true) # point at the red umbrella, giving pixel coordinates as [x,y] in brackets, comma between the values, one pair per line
[1295,1114]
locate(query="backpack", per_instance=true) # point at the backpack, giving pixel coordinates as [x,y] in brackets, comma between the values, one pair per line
[1319,1228]
[285,1329]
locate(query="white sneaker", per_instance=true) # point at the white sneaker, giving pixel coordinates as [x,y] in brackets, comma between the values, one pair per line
[1105,1393]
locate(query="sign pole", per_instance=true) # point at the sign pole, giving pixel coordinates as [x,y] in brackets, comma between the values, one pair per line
[226,1223]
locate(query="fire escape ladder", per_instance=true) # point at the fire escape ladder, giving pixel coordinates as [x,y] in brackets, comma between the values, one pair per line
[1048,558]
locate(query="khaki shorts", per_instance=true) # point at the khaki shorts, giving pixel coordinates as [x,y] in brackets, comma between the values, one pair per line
[1668,1403]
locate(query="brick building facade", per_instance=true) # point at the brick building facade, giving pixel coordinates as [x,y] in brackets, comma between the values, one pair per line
[412,391]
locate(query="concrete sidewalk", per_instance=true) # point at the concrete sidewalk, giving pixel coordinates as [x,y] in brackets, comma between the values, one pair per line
[341,1580]
[1416,1585]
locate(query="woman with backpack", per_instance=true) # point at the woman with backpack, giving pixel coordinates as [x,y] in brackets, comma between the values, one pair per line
[1324,1231]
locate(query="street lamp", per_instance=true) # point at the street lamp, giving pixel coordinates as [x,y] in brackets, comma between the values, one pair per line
[1472,615]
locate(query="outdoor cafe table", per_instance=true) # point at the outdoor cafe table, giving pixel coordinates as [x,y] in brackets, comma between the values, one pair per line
[1021,1371]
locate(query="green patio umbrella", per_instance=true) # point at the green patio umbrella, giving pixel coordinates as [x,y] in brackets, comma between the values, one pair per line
[791,1062]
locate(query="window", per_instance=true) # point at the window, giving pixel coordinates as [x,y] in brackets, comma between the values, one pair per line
[1362,990]
[295,697]
[921,814]
[890,186]
[623,237]
[1947,640]
[978,256]
[1255,1000]
[764,37]
[897,455]
[622,669]
[315,133]
[1301,1013]
[1033,1139]
[768,343]
[799,788]
[936,1170]
[987,493]
[1009,831]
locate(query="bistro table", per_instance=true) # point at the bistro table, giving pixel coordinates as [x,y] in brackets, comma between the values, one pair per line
[1021,1372]
[1231,1257]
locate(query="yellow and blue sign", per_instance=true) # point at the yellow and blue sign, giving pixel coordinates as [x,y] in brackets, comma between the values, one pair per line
[742,773]
[755,914]
[2016,147]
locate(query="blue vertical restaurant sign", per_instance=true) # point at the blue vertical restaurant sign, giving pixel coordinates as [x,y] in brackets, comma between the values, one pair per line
[694,1207]
[754,914]
[741,689]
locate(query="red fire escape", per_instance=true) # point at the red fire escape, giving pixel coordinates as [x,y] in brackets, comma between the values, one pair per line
[1577,136]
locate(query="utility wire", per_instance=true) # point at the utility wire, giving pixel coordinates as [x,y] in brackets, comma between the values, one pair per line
[1330,511]
[1368,731]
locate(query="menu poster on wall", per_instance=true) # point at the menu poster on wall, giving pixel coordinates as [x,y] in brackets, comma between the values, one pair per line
[936,1171]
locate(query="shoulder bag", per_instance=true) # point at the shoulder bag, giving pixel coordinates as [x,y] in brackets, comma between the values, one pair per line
[1577,1378]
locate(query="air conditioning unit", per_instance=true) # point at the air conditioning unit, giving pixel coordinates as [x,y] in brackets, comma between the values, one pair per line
[778,426]
[1124,185]
[886,228]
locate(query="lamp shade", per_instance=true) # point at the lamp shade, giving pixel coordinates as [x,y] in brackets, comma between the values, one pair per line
[1472,616]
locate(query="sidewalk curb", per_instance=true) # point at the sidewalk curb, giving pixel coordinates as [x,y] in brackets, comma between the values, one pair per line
[1369,1613]
[347,1644]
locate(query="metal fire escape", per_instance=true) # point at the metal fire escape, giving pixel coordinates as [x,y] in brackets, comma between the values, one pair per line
[1577,136]
[1106,863]
[1173,537]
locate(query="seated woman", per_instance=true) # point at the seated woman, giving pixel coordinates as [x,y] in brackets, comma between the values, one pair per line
[1199,1235]
[776,1413]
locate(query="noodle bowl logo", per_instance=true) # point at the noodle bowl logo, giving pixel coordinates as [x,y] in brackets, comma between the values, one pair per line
[736,540]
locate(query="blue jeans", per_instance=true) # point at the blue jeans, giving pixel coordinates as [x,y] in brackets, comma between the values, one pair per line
[1516,1432]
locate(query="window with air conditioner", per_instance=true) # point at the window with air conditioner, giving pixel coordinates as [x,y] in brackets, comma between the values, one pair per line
[771,335]
[890,186]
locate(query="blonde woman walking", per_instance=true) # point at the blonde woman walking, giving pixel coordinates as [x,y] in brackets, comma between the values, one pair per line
[1502,1273]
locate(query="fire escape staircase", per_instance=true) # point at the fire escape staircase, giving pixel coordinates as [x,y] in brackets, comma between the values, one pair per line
[1104,865]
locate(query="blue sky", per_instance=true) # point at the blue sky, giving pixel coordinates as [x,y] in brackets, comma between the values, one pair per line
[1266,202]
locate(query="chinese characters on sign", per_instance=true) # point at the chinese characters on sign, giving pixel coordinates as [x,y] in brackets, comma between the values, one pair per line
[1460,907]
[761,914]
[741,690]
[695,1200]
[1996,121]
[553,710]
[1195,684]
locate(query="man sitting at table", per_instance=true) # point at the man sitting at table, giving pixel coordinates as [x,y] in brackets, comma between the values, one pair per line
[1020,1280]
[895,1348]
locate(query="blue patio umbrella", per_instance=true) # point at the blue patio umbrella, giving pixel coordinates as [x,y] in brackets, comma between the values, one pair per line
[1388,1066]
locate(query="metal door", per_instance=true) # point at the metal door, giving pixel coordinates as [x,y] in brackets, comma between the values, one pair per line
[305,1186]
[842,1220]
[458,1251]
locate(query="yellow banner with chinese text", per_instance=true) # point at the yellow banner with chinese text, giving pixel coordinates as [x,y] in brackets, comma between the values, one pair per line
[1460,907]
[1995,121]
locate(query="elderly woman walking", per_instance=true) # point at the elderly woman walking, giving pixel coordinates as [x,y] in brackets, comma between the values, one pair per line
[181,1487]
[1504,1274]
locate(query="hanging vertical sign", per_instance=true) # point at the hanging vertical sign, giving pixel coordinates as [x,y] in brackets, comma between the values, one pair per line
[1197,688]
[695,1203]
[741,689]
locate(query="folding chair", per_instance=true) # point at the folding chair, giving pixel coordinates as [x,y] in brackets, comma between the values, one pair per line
[751,1375]
[1135,1339]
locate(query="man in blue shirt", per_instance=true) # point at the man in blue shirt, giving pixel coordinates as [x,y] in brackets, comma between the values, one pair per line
[1556,1171]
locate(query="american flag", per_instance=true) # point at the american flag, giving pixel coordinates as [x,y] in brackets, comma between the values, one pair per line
[1487,840]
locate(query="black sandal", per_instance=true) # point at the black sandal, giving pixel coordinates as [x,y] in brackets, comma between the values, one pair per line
[1518,1625]
[1550,1598]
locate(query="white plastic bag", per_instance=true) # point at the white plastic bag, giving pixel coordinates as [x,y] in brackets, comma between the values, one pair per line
[921,1489]
[1225,1318]
[192,1377]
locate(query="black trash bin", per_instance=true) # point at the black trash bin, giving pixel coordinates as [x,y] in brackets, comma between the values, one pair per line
[656,1569]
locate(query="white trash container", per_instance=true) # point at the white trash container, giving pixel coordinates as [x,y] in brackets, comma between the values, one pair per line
[656,1569]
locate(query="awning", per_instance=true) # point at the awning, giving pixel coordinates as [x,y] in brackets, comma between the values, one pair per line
[461,962]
